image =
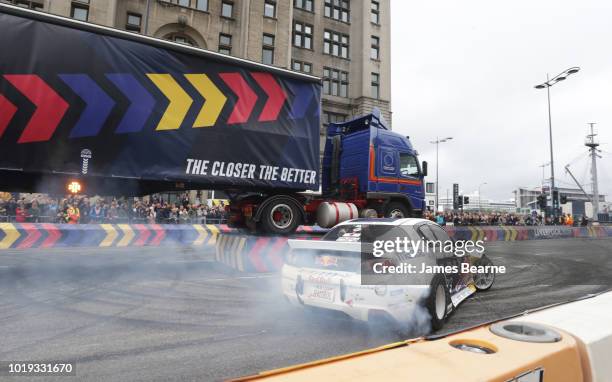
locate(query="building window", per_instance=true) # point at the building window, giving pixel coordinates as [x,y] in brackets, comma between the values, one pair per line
[301,66]
[35,5]
[375,12]
[375,51]
[134,22]
[305,5]
[184,3]
[181,39]
[202,5]
[270,8]
[329,117]
[335,44]
[335,82]
[227,9]
[337,10]
[225,43]
[302,35]
[80,10]
[267,51]
[375,85]
[430,188]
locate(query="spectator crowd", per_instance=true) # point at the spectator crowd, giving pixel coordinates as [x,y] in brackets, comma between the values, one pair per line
[501,218]
[83,209]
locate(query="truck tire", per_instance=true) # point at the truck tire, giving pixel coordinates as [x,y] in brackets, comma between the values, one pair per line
[437,302]
[396,210]
[281,217]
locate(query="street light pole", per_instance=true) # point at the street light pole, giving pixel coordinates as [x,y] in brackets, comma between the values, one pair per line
[437,143]
[550,82]
[552,160]
[479,196]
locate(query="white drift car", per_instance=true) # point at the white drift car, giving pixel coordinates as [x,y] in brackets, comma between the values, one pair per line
[327,273]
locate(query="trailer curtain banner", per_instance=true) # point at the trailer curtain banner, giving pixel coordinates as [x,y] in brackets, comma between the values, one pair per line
[78,99]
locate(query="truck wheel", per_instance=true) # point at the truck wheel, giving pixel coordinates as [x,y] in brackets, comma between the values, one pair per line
[396,210]
[437,302]
[280,217]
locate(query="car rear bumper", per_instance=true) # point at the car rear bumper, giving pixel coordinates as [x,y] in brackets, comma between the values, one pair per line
[343,292]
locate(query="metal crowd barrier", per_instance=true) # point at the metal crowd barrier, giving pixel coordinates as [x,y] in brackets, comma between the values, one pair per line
[119,220]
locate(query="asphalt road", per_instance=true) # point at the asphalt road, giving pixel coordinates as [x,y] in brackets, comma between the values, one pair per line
[173,314]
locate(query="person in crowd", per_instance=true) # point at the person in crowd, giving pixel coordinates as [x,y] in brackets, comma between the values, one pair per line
[34,211]
[151,215]
[21,214]
[73,214]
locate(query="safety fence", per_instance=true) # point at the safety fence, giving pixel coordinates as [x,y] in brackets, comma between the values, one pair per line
[114,220]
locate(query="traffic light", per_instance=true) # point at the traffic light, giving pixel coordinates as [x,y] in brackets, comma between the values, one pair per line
[541,201]
[460,202]
[466,200]
[563,199]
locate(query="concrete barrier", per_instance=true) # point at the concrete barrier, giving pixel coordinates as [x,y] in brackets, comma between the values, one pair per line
[43,235]
[571,342]
[46,235]
[514,233]
[261,254]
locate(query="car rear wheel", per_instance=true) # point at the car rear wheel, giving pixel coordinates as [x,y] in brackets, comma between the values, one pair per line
[484,281]
[437,302]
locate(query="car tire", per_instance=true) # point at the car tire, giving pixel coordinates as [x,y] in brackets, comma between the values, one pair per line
[437,302]
[281,217]
[484,282]
[396,210]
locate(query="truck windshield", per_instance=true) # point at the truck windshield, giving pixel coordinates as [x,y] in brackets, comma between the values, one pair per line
[409,165]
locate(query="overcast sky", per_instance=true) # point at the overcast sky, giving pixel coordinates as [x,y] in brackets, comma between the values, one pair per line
[467,69]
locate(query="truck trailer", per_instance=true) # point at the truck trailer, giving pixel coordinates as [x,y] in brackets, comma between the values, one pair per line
[118,113]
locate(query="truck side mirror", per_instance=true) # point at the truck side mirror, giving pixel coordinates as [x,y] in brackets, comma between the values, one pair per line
[424,168]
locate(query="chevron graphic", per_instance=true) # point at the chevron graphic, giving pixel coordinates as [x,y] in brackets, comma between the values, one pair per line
[142,103]
[53,235]
[276,96]
[50,107]
[128,235]
[99,105]
[160,234]
[202,234]
[32,236]
[11,234]
[7,111]
[143,234]
[180,102]
[214,231]
[215,99]
[111,235]
[246,97]
[302,99]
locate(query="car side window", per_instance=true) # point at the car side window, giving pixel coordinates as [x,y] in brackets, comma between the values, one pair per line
[409,165]
[433,243]
[439,233]
[426,232]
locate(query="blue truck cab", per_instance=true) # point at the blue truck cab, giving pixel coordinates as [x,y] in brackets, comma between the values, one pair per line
[367,164]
